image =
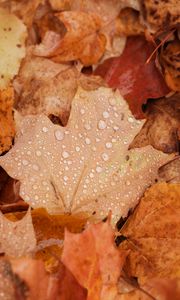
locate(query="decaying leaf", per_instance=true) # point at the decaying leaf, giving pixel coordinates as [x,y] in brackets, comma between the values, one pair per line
[85,166]
[160,16]
[7,130]
[17,238]
[170,172]
[136,79]
[43,86]
[162,128]
[152,235]
[12,46]
[82,40]
[94,260]
[128,22]
[169,59]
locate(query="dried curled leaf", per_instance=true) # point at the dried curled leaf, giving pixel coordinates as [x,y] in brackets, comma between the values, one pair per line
[162,128]
[169,59]
[7,130]
[153,234]
[12,46]
[82,40]
[94,260]
[17,238]
[85,166]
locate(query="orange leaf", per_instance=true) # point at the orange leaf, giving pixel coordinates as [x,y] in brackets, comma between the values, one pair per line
[94,260]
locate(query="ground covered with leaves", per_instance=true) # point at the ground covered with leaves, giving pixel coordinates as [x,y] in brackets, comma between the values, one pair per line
[89,150]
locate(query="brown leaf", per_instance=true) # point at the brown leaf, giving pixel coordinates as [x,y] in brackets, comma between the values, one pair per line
[169,59]
[170,172]
[128,22]
[162,128]
[17,238]
[7,130]
[152,234]
[43,86]
[82,40]
[85,166]
[94,260]
[159,15]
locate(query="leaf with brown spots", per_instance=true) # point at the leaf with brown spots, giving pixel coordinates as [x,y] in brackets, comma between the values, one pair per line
[85,166]
[7,130]
[153,235]
[162,128]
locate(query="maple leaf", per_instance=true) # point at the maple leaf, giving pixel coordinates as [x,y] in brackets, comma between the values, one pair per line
[12,35]
[82,40]
[170,172]
[162,128]
[128,71]
[17,238]
[152,234]
[46,87]
[94,260]
[7,130]
[85,166]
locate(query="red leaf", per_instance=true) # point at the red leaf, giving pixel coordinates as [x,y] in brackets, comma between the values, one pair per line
[136,79]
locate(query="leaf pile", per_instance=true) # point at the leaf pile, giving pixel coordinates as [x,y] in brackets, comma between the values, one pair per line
[89,150]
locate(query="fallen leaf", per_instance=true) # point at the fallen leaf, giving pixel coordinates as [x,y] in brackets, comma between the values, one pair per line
[94,260]
[7,130]
[128,22]
[12,48]
[170,62]
[170,172]
[85,166]
[162,128]
[160,16]
[17,238]
[82,40]
[152,235]
[42,285]
[43,86]
[128,71]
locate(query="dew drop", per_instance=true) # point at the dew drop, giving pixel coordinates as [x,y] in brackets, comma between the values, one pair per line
[77,149]
[25,162]
[130,120]
[59,135]
[128,182]
[116,128]
[36,197]
[65,178]
[45,129]
[101,124]
[91,175]
[28,152]
[108,145]
[105,156]
[82,111]
[105,114]
[38,153]
[87,141]
[98,169]
[65,154]
[97,140]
